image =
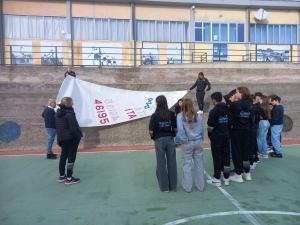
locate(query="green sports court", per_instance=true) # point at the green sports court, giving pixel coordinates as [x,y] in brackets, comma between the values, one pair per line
[120,188]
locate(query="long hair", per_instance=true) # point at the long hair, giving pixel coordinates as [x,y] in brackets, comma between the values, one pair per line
[266,107]
[244,92]
[162,107]
[200,74]
[188,112]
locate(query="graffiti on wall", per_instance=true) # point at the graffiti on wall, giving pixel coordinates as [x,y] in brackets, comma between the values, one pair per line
[9,131]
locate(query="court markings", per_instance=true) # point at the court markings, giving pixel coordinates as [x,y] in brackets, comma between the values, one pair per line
[230,213]
[251,218]
[241,211]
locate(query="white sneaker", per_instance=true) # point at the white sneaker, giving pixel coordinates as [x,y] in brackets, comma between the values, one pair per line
[200,112]
[253,166]
[247,176]
[214,182]
[226,182]
[236,178]
[264,156]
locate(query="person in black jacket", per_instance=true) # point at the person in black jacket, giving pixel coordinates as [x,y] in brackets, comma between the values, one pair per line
[49,119]
[276,123]
[201,84]
[162,129]
[68,138]
[241,121]
[256,112]
[218,133]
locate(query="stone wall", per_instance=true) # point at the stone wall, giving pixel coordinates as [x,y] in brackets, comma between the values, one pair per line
[24,91]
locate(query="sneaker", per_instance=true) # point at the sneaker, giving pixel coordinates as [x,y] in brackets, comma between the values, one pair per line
[236,178]
[62,179]
[72,180]
[200,112]
[276,155]
[51,156]
[226,182]
[264,156]
[166,191]
[253,166]
[214,182]
[247,176]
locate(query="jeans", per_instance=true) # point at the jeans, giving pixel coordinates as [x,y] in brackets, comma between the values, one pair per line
[51,136]
[275,138]
[192,152]
[166,169]
[262,137]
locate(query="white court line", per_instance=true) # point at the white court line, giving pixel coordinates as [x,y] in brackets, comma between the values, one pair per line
[235,203]
[230,213]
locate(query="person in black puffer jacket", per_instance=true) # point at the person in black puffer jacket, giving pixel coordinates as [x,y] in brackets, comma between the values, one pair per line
[68,138]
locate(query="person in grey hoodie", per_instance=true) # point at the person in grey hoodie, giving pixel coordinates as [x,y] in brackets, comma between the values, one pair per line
[190,134]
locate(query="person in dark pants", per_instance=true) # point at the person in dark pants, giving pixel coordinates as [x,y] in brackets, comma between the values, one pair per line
[201,84]
[162,129]
[256,112]
[68,138]
[49,119]
[240,122]
[218,133]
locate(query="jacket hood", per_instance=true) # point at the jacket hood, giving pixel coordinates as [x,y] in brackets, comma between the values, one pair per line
[62,111]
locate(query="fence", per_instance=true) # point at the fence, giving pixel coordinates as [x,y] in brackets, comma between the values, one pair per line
[145,53]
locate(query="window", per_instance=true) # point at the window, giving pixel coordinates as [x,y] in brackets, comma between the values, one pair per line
[198,31]
[157,30]
[224,33]
[232,32]
[252,33]
[207,32]
[34,27]
[273,34]
[101,29]
[216,32]
[270,34]
[294,34]
[241,33]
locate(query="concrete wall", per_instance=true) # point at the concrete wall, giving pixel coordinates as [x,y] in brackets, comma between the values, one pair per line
[24,91]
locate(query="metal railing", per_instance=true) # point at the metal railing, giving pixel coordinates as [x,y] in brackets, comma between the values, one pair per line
[100,56]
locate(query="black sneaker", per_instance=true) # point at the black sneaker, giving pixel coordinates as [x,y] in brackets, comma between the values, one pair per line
[51,156]
[62,179]
[72,180]
[276,155]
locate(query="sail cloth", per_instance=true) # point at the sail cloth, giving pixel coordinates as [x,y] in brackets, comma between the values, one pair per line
[98,105]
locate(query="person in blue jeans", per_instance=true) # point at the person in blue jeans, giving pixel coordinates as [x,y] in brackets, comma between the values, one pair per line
[276,125]
[49,119]
[263,128]
[191,135]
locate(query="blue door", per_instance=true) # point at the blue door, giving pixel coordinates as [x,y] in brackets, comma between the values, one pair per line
[220,52]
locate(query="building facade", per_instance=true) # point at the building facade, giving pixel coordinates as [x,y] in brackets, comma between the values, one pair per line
[132,33]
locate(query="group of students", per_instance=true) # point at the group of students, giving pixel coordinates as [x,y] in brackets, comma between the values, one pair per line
[237,129]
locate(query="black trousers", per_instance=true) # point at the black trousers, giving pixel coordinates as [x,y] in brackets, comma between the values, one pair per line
[241,151]
[68,152]
[220,150]
[253,146]
[200,99]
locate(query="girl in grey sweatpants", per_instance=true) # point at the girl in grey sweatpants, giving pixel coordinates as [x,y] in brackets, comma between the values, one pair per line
[190,133]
